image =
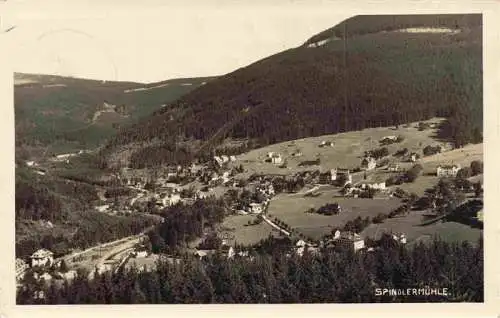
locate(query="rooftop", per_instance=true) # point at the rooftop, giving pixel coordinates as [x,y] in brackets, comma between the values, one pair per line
[449,166]
[41,253]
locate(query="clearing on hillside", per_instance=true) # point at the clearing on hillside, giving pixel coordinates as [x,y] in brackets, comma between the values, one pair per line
[347,150]
[291,209]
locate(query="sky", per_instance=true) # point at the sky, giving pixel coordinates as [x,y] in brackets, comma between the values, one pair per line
[152,40]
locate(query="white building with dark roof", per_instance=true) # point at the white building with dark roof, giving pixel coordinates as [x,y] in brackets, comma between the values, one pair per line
[350,240]
[447,170]
[42,257]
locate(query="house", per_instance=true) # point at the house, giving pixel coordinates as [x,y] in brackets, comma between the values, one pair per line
[351,240]
[413,157]
[243,254]
[30,163]
[203,253]
[376,185]
[275,158]
[447,170]
[102,208]
[256,208]
[201,195]
[141,253]
[394,167]
[70,275]
[225,176]
[336,235]
[232,158]
[368,163]
[42,257]
[326,144]
[399,237]
[337,173]
[64,156]
[219,160]
[297,154]
[172,172]
[224,158]
[171,199]
[300,243]
[228,251]
[388,139]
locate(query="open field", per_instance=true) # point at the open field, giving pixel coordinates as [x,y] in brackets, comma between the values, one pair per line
[243,234]
[346,152]
[462,156]
[291,210]
[410,225]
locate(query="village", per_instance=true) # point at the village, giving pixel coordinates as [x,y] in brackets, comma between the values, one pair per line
[377,180]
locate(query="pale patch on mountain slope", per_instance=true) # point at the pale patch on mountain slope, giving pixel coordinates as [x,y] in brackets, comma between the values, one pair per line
[144,88]
[429,30]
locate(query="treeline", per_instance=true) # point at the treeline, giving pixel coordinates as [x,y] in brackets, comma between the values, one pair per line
[160,154]
[47,198]
[310,92]
[183,223]
[332,276]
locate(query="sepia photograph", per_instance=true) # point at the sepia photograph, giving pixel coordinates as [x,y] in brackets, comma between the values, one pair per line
[330,159]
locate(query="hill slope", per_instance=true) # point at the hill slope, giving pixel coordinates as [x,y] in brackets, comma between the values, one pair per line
[66,114]
[389,70]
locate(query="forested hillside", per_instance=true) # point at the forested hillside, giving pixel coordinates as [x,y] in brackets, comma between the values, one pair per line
[58,214]
[372,78]
[59,114]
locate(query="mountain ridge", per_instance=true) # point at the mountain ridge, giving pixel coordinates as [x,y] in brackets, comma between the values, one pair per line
[373,79]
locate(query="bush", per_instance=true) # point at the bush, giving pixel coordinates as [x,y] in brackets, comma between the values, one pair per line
[476,167]
[430,150]
[402,152]
[464,173]
[379,218]
[412,174]
[329,209]
[377,153]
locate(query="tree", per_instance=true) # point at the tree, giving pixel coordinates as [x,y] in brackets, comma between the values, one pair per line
[413,173]
[478,190]
[476,167]
[63,267]
[464,173]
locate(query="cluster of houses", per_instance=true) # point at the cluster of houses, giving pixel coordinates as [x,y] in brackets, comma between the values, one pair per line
[345,239]
[266,190]
[223,159]
[42,259]
[225,249]
[274,158]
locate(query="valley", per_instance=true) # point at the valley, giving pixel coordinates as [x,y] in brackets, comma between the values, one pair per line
[359,152]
